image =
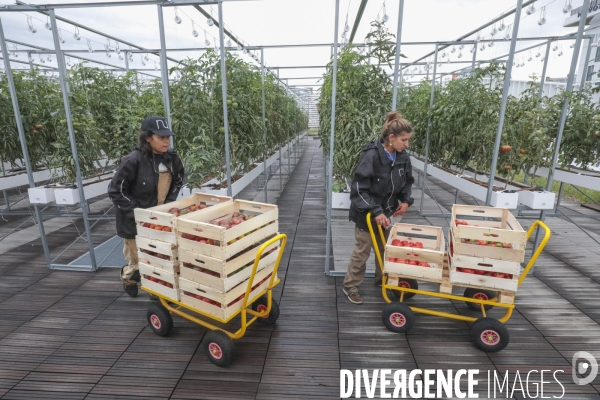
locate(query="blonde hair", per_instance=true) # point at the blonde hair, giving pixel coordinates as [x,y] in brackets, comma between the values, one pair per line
[394,125]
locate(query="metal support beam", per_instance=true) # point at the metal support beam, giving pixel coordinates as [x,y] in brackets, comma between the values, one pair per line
[509,65]
[397,55]
[164,70]
[359,14]
[62,73]
[585,64]
[543,78]
[331,137]
[264,121]
[431,98]
[224,94]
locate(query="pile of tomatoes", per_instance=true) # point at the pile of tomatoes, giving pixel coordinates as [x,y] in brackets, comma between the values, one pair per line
[182,211]
[159,281]
[202,298]
[481,242]
[406,243]
[486,273]
[157,255]
[157,227]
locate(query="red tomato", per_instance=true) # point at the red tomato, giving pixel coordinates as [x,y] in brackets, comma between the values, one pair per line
[418,245]
[411,244]
[468,271]
[402,260]
[404,243]
[166,229]
[396,242]
[479,272]
[413,262]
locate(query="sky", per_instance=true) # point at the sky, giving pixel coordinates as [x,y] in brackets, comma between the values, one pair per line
[286,22]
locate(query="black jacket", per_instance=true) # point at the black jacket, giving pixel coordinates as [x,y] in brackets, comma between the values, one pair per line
[379,184]
[135,185]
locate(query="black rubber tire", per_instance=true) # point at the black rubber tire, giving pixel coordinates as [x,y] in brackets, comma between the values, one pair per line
[219,348]
[160,319]
[471,293]
[398,317]
[394,295]
[412,284]
[273,315]
[497,335]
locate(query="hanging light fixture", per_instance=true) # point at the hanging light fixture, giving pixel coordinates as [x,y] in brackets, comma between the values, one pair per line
[14,52]
[130,57]
[76,35]
[482,46]
[507,35]
[120,57]
[530,9]
[529,59]
[117,49]
[459,54]
[542,20]
[572,45]
[29,57]
[502,26]
[60,37]
[560,53]
[555,47]
[49,58]
[238,47]
[48,25]
[89,44]
[194,31]
[210,22]
[228,43]
[68,62]
[568,6]
[41,59]
[472,50]
[443,54]
[206,41]
[452,50]
[538,54]
[146,57]
[494,30]
[143,62]
[30,24]
[385,17]
[155,66]
[177,19]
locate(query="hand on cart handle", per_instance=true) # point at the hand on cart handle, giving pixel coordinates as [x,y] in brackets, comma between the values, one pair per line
[382,220]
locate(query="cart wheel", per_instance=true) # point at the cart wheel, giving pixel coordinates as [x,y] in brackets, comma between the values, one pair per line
[481,295]
[393,295]
[397,317]
[489,334]
[160,319]
[409,284]
[219,348]
[260,305]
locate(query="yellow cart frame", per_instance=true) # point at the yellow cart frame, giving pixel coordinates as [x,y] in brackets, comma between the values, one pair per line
[181,309]
[482,303]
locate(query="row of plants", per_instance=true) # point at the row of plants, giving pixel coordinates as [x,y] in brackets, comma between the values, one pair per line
[107,110]
[463,121]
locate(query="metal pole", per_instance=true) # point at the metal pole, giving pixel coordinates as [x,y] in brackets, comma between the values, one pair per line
[474,57]
[126,54]
[62,74]
[428,128]
[224,91]
[264,121]
[164,69]
[24,149]
[585,64]
[560,192]
[543,78]
[331,137]
[28,58]
[509,65]
[563,115]
[397,59]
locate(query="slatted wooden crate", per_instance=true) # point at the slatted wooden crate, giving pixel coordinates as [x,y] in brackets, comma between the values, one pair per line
[223,275]
[434,245]
[217,241]
[486,264]
[220,304]
[160,216]
[164,255]
[499,226]
[482,280]
[155,279]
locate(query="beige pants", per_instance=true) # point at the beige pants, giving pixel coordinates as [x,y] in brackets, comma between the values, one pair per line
[129,247]
[130,254]
[358,261]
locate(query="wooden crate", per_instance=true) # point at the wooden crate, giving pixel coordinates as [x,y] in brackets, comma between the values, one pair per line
[434,245]
[500,226]
[484,263]
[166,253]
[228,241]
[481,281]
[160,215]
[219,274]
[219,304]
[147,272]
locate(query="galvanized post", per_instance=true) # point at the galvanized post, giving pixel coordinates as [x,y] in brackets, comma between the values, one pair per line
[509,65]
[563,115]
[585,64]
[164,69]
[264,121]
[224,93]
[24,149]
[543,78]
[30,62]
[126,54]
[62,74]
[474,57]
[331,138]
[559,197]
[428,128]
[397,59]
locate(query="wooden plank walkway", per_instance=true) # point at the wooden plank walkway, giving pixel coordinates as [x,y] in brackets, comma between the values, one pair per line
[76,335]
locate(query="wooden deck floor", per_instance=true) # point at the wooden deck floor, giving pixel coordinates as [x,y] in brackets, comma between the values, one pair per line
[76,335]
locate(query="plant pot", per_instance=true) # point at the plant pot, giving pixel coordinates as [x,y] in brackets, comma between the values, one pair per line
[537,200]
[41,195]
[586,179]
[91,189]
[340,201]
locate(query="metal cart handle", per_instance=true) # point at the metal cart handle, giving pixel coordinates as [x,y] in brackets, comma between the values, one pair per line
[539,250]
[375,246]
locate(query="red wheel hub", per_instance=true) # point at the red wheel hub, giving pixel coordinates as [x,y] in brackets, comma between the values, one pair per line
[397,319]
[155,321]
[261,309]
[404,284]
[490,337]
[215,350]
[480,296]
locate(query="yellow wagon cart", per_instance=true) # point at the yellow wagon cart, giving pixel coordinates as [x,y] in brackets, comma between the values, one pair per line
[257,305]
[488,334]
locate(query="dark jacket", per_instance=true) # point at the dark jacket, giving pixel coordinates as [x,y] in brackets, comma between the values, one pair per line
[379,184]
[135,185]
